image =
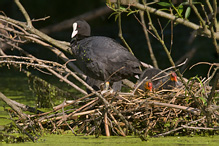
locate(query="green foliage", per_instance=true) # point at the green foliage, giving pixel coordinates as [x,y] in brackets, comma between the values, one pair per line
[178,10]
[121,9]
[164,4]
[188,12]
[47,94]
[11,134]
[191,82]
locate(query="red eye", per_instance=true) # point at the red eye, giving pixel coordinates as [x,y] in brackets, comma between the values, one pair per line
[79,26]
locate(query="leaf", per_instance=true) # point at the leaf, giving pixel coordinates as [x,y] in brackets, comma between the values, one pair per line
[164,9]
[164,4]
[200,83]
[188,11]
[122,8]
[203,100]
[180,9]
[117,15]
[131,12]
[185,3]
[114,13]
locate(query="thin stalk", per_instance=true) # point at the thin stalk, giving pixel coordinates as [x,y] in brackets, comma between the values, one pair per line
[153,58]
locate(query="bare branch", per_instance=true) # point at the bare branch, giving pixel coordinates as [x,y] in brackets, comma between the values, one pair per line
[197,14]
[29,23]
[174,18]
[13,106]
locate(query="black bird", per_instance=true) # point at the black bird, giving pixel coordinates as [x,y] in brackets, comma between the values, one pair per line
[100,57]
[162,81]
[95,84]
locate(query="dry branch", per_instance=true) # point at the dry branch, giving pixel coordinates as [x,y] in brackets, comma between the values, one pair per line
[23,116]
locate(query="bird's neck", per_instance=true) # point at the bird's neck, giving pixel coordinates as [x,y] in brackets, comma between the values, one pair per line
[73,40]
[80,37]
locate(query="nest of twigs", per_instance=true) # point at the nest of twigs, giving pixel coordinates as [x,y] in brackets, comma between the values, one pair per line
[160,113]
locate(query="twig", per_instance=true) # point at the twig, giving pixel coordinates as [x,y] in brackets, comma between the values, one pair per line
[215,15]
[49,68]
[29,23]
[197,14]
[72,103]
[199,128]
[63,113]
[153,58]
[120,129]
[60,54]
[23,130]
[63,46]
[40,19]
[188,109]
[34,38]
[79,109]
[146,65]
[69,82]
[209,102]
[139,84]
[120,32]
[179,128]
[216,64]
[171,25]
[146,29]
[25,63]
[174,18]
[121,36]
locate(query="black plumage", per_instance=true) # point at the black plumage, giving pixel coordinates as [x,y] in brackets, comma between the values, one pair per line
[100,57]
[162,81]
[95,84]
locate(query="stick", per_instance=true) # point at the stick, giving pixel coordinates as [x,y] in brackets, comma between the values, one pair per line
[106,124]
[166,133]
[13,106]
[188,109]
[153,58]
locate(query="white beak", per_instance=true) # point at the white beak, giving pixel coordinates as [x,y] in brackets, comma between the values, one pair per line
[74,30]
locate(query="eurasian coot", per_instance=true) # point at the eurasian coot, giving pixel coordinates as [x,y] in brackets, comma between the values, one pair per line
[100,57]
[162,81]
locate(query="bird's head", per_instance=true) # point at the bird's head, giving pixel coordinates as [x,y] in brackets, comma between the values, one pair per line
[148,86]
[173,76]
[81,29]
